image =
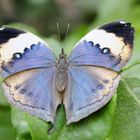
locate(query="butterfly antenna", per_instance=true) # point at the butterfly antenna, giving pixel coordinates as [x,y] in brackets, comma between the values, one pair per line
[67,30]
[68,27]
[58,29]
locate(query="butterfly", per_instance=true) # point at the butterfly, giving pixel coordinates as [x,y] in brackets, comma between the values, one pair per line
[37,82]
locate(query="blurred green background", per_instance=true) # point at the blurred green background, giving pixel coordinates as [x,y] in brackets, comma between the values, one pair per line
[41,16]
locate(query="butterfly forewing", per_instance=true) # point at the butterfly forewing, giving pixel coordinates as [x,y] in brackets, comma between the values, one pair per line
[108,46]
[21,50]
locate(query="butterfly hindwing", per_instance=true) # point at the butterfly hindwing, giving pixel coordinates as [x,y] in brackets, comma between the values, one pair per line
[21,50]
[89,89]
[108,46]
[33,91]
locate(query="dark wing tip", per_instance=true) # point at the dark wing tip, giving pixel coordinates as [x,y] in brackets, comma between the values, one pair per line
[7,33]
[121,29]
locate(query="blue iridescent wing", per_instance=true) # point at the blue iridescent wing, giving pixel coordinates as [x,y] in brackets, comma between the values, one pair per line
[108,46]
[33,91]
[21,50]
[89,89]
[93,68]
[28,66]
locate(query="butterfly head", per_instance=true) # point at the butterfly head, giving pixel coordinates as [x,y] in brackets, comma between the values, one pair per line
[62,54]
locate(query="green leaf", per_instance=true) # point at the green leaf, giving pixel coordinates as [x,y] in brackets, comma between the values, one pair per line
[136,63]
[3,101]
[30,127]
[6,130]
[126,121]
[132,70]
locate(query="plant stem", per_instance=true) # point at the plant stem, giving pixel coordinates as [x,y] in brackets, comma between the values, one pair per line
[129,67]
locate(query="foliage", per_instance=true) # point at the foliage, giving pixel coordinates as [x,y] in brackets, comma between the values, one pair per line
[118,120]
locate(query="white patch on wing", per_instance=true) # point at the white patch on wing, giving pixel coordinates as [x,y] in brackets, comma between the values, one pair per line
[2,28]
[18,44]
[105,39]
[122,22]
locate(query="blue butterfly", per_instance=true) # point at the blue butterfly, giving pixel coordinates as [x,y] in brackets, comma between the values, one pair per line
[36,81]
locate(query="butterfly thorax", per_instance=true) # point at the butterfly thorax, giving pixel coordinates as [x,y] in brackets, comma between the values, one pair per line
[61,72]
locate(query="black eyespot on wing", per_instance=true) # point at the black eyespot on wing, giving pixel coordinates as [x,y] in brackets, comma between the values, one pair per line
[26,50]
[91,43]
[97,45]
[17,56]
[100,86]
[105,51]
[106,81]
[33,47]
[121,29]
[8,33]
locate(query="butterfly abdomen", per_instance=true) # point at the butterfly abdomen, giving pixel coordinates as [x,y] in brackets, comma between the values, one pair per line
[61,73]
[61,80]
[61,76]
